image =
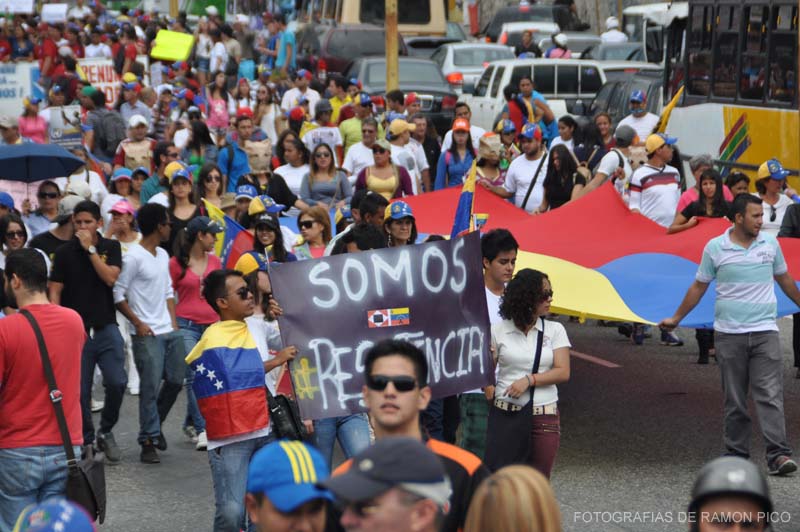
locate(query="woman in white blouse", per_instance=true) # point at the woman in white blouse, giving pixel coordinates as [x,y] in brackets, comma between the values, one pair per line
[524,423]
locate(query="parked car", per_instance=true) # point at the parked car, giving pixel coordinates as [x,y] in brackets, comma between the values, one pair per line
[511,32]
[426,45]
[614,96]
[619,51]
[569,85]
[418,75]
[464,62]
[577,42]
[524,13]
[334,48]
[624,69]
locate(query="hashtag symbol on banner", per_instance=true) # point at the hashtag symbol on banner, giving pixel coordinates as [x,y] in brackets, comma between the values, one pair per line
[302,381]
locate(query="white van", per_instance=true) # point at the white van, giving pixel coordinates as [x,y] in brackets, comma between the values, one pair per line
[569,85]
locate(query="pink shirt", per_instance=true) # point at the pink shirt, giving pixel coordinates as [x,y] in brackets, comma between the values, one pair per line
[692,195]
[217,113]
[191,305]
[33,127]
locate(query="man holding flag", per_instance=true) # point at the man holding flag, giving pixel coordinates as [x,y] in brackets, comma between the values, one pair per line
[229,385]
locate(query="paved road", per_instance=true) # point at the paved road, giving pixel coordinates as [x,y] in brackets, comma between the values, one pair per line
[633,439]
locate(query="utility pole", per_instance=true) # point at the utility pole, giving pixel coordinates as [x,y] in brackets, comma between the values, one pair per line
[174,8]
[392,81]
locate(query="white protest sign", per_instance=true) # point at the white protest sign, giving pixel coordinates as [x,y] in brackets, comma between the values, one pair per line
[99,71]
[16,6]
[54,13]
[18,80]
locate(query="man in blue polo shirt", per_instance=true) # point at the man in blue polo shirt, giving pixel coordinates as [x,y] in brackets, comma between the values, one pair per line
[744,262]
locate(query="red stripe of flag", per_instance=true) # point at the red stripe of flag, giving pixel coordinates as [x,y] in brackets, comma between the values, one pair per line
[733,132]
[224,421]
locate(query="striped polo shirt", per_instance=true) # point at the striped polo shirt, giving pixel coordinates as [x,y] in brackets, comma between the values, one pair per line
[746,299]
[655,193]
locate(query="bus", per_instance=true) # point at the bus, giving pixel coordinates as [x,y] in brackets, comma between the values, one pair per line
[414,17]
[646,24]
[739,69]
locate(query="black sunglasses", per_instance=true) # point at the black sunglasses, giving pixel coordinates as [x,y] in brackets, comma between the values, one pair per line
[320,154]
[402,383]
[47,195]
[242,293]
[773,213]
[213,177]
[307,224]
[15,234]
[378,150]
[547,294]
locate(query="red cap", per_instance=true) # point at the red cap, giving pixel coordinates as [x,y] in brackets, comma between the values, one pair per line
[244,112]
[411,97]
[379,101]
[461,124]
[297,114]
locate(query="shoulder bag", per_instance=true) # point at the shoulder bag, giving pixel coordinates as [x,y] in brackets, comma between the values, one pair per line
[508,434]
[86,479]
[533,182]
[285,417]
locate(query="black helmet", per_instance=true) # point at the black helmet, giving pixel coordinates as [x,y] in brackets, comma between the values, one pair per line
[730,475]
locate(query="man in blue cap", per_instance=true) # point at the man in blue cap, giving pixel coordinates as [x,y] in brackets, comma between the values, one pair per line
[643,122]
[283,491]
[6,203]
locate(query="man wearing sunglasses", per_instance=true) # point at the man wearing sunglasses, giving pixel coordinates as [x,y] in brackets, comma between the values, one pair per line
[396,391]
[144,295]
[351,128]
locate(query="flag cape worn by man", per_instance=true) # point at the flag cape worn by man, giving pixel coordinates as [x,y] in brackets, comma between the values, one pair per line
[229,380]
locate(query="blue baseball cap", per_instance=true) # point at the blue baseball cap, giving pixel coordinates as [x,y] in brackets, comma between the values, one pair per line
[394,115]
[246,191]
[638,96]
[363,99]
[122,173]
[287,473]
[54,516]
[6,200]
[265,204]
[506,126]
[772,168]
[141,170]
[399,210]
[531,131]
[250,262]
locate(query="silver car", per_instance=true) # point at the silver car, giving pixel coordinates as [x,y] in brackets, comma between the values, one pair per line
[464,62]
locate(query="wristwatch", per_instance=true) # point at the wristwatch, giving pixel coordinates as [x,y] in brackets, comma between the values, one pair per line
[92,250]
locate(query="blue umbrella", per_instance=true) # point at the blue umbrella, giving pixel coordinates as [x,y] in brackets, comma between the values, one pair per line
[34,162]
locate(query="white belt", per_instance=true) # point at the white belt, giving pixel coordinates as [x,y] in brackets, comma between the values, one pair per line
[544,410]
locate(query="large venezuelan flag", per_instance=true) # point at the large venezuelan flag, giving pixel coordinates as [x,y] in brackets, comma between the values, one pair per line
[233,241]
[229,380]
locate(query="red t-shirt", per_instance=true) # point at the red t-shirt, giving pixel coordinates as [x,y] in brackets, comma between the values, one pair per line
[49,49]
[5,49]
[191,304]
[27,418]
[130,51]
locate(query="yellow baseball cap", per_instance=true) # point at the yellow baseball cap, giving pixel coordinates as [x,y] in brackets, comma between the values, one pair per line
[250,262]
[773,169]
[173,167]
[657,140]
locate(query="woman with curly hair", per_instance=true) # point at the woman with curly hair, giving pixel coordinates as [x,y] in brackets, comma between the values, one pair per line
[532,357]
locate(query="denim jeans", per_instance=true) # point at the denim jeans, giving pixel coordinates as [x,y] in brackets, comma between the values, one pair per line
[158,357]
[229,465]
[191,335]
[29,476]
[352,432]
[104,348]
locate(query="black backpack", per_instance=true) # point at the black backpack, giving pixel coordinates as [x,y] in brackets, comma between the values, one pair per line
[112,131]
[119,60]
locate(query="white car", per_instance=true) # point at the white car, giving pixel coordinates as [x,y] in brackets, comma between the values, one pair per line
[464,62]
[511,32]
[577,42]
[569,85]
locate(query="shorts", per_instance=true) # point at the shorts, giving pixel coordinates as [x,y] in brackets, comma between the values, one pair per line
[203,64]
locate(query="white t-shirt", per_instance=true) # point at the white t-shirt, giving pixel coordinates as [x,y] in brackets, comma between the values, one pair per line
[264,333]
[97,50]
[204,45]
[520,174]
[161,198]
[474,131]
[515,353]
[294,178]
[418,150]
[323,135]
[292,96]
[146,284]
[570,144]
[655,193]
[218,58]
[99,190]
[358,157]
[643,125]
[401,156]
[613,36]
[772,227]
[79,12]
[609,164]
[493,304]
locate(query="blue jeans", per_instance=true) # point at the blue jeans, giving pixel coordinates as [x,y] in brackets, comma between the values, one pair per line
[158,357]
[191,335]
[352,432]
[104,348]
[229,465]
[29,476]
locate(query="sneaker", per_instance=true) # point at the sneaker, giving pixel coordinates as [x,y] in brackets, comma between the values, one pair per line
[671,339]
[161,442]
[133,390]
[202,442]
[97,406]
[107,444]
[149,454]
[782,466]
[190,433]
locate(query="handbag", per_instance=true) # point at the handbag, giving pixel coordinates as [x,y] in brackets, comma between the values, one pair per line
[86,478]
[508,434]
[285,417]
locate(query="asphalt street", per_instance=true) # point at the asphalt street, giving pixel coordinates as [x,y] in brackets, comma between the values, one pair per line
[633,439]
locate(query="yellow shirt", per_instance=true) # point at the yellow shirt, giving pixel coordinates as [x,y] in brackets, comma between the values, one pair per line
[337,104]
[350,130]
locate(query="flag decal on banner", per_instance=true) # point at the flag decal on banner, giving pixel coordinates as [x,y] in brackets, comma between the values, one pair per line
[388,317]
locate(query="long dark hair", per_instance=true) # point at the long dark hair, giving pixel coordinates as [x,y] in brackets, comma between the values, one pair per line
[470,148]
[279,145]
[412,239]
[521,297]
[171,196]
[299,146]
[279,253]
[568,167]
[211,87]
[7,220]
[200,185]
[718,207]
[201,136]
[181,249]
[314,168]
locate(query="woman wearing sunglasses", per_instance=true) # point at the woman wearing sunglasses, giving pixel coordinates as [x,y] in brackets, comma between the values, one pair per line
[39,220]
[208,187]
[13,236]
[315,228]
[532,357]
[384,177]
[324,184]
[771,187]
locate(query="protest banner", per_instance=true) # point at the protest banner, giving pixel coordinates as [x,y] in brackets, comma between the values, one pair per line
[54,13]
[17,81]
[100,73]
[336,308]
[65,126]
[17,6]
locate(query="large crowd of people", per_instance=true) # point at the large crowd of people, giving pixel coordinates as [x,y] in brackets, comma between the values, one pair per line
[117,262]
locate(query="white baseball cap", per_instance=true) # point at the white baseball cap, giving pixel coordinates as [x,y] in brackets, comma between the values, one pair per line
[212,11]
[137,120]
